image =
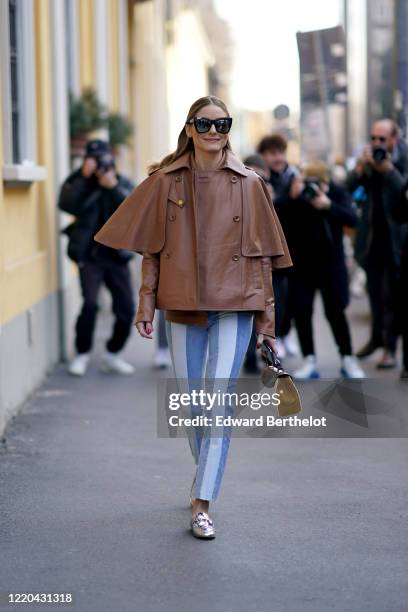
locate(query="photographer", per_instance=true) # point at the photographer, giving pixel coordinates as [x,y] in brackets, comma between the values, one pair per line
[92,194]
[315,218]
[382,170]
[284,180]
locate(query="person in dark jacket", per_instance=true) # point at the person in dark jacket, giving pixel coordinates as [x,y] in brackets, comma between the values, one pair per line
[256,163]
[285,183]
[92,194]
[382,171]
[314,231]
[399,212]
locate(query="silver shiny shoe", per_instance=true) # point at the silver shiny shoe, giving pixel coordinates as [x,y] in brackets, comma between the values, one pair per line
[191,491]
[202,526]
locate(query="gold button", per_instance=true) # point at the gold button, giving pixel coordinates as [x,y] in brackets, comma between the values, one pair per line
[234,179]
[180,202]
[237,218]
[172,217]
[178,178]
[235,257]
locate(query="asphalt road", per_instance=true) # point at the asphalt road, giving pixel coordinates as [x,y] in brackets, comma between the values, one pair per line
[93,503]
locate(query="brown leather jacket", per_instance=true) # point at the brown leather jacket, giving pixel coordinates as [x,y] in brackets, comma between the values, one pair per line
[159,221]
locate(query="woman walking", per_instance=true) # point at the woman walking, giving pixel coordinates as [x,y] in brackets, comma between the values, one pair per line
[210,238]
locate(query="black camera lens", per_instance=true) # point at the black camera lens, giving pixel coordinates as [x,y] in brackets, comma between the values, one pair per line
[379,154]
[310,191]
[105,162]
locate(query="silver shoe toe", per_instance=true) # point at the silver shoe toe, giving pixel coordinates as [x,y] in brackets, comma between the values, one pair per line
[202,526]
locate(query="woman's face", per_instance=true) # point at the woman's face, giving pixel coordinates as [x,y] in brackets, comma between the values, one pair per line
[212,141]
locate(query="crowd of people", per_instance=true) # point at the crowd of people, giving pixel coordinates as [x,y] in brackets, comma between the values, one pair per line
[313,209]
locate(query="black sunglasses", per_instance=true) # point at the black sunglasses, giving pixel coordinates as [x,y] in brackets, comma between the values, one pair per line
[380,138]
[203,124]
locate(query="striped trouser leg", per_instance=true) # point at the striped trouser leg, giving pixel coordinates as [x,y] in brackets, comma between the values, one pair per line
[188,345]
[229,336]
[226,339]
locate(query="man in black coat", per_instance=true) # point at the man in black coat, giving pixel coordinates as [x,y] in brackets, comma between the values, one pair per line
[399,212]
[92,194]
[383,171]
[283,179]
[314,230]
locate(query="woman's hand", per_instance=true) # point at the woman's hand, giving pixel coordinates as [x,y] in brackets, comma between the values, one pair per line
[269,339]
[145,329]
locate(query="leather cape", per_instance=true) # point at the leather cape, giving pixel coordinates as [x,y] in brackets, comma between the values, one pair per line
[139,224]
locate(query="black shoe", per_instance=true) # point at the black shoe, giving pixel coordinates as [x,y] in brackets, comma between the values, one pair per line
[387,361]
[368,349]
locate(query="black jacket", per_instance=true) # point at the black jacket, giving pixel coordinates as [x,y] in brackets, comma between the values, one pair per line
[92,205]
[389,187]
[399,212]
[281,184]
[315,237]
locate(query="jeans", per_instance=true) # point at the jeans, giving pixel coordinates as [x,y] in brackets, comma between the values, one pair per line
[219,349]
[116,277]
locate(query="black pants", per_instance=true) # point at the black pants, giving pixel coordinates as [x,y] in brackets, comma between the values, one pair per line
[403,304]
[280,289]
[283,314]
[116,277]
[382,287]
[333,286]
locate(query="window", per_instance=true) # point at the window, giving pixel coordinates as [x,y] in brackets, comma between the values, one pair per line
[17,64]
[14,84]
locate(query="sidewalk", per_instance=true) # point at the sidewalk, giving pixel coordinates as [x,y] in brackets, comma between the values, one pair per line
[95,504]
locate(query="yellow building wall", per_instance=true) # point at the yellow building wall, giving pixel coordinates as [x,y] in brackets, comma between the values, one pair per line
[2,221]
[28,263]
[86,43]
[113,55]
[28,213]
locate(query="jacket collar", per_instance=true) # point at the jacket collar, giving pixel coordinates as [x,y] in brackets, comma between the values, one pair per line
[231,161]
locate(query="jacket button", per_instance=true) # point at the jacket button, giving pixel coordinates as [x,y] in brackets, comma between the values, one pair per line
[178,178]
[234,179]
[236,218]
[172,217]
[235,257]
[180,202]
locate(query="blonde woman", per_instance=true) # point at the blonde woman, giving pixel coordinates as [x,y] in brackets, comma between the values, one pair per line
[209,236]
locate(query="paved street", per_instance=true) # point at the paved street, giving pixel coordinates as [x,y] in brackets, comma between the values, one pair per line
[93,503]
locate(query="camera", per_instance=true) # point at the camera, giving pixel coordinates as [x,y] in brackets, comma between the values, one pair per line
[104,162]
[311,189]
[379,154]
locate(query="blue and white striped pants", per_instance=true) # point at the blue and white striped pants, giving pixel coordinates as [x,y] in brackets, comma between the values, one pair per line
[218,349]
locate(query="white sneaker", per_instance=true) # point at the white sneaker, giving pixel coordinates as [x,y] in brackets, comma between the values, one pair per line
[280,348]
[162,358]
[350,367]
[79,364]
[308,369]
[291,344]
[111,362]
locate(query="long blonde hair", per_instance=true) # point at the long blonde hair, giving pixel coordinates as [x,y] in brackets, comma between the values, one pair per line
[185,143]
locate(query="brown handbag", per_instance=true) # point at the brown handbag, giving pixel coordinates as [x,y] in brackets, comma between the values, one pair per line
[275,376]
